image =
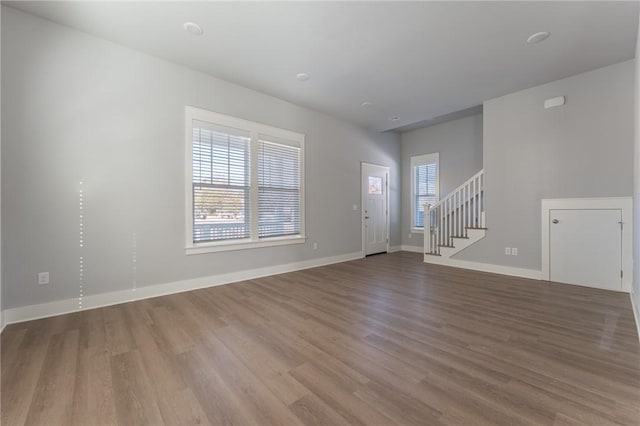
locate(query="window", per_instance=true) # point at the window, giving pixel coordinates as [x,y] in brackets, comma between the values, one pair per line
[279,189]
[220,184]
[245,184]
[424,187]
[375,185]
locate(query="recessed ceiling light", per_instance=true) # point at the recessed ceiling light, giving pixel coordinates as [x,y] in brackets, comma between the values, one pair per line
[366,104]
[538,37]
[394,118]
[193,28]
[303,76]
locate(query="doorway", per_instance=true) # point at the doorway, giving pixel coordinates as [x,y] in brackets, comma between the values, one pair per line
[588,242]
[375,209]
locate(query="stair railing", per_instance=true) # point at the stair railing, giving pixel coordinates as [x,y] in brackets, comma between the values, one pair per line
[460,210]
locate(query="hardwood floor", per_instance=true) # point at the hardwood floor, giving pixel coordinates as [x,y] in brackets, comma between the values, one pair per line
[379,341]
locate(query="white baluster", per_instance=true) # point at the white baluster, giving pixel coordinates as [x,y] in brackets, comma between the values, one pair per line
[441,227]
[435,231]
[437,236]
[473,208]
[456,209]
[450,219]
[452,225]
[478,202]
[464,212]
[444,221]
[468,224]
[432,233]
[434,244]
[427,228]
[459,217]
[482,198]
[475,204]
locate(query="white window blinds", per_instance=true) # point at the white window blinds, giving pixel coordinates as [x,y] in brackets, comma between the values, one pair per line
[244,184]
[278,189]
[425,190]
[221,184]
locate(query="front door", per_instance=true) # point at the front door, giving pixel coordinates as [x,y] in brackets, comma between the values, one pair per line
[375,187]
[585,247]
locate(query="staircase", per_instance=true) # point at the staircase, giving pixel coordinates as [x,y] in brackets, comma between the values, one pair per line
[456,222]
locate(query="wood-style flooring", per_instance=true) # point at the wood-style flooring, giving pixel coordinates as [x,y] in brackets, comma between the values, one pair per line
[384,340]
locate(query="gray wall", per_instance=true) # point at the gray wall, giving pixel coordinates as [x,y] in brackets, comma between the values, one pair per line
[1,306]
[459,143]
[78,108]
[636,185]
[583,149]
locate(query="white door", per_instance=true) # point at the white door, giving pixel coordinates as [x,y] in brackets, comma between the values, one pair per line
[585,247]
[375,186]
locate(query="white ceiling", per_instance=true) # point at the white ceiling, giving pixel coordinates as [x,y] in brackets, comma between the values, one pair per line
[414,60]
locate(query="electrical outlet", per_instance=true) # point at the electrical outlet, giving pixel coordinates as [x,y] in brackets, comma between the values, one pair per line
[315,246]
[43,278]
[514,251]
[507,251]
[355,207]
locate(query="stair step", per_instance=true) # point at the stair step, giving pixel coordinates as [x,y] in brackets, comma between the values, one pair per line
[446,245]
[464,238]
[475,227]
[434,254]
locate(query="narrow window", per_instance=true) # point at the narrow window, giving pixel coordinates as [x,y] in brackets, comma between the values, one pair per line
[221,180]
[278,189]
[424,186]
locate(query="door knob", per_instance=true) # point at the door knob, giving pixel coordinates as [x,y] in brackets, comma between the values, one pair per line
[555,221]
[366,217]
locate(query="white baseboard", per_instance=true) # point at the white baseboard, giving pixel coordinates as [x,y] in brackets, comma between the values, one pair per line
[393,249]
[59,307]
[487,267]
[412,249]
[636,312]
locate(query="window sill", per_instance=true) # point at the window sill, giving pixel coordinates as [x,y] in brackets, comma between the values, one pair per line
[417,231]
[243,244]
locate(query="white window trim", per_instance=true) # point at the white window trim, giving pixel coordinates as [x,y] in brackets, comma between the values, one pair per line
[254,129]
[419,160]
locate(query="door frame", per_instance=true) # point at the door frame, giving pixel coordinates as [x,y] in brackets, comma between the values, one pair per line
[363,204]
[625,204]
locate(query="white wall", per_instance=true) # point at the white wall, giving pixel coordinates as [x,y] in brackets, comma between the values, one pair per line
[459,143]
[78,108]
[583,149]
